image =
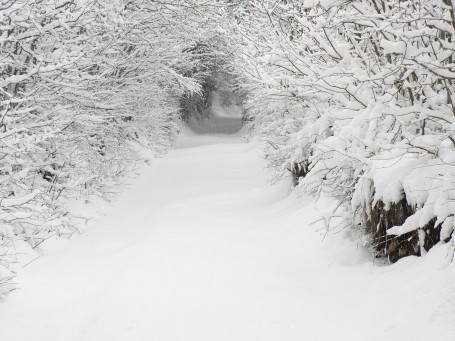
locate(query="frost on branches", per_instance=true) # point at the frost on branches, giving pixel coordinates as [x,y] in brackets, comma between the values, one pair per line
[356,99]
[85,85]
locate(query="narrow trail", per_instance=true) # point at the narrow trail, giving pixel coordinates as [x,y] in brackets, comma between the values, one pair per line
[202,247]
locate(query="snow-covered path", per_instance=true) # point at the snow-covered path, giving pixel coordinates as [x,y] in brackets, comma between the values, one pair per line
[203,248]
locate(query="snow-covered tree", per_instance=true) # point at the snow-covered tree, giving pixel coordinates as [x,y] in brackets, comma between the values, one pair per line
[85,86]
[356,98]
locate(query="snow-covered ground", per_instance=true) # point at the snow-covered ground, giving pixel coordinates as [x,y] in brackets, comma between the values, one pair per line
[202,247]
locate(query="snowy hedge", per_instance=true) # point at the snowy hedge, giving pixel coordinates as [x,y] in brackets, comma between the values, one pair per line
[84,85]
[356,99]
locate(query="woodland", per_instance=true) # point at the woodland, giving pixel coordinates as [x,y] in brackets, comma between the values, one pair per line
[353,99]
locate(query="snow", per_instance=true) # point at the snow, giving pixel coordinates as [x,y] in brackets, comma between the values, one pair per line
[18,201]
[398,47]
[202,247]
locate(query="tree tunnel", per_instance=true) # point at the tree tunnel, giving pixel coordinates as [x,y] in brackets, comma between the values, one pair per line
[217,107]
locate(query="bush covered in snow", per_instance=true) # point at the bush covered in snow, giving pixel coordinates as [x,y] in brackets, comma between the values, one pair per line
[84,84]
[356,99]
